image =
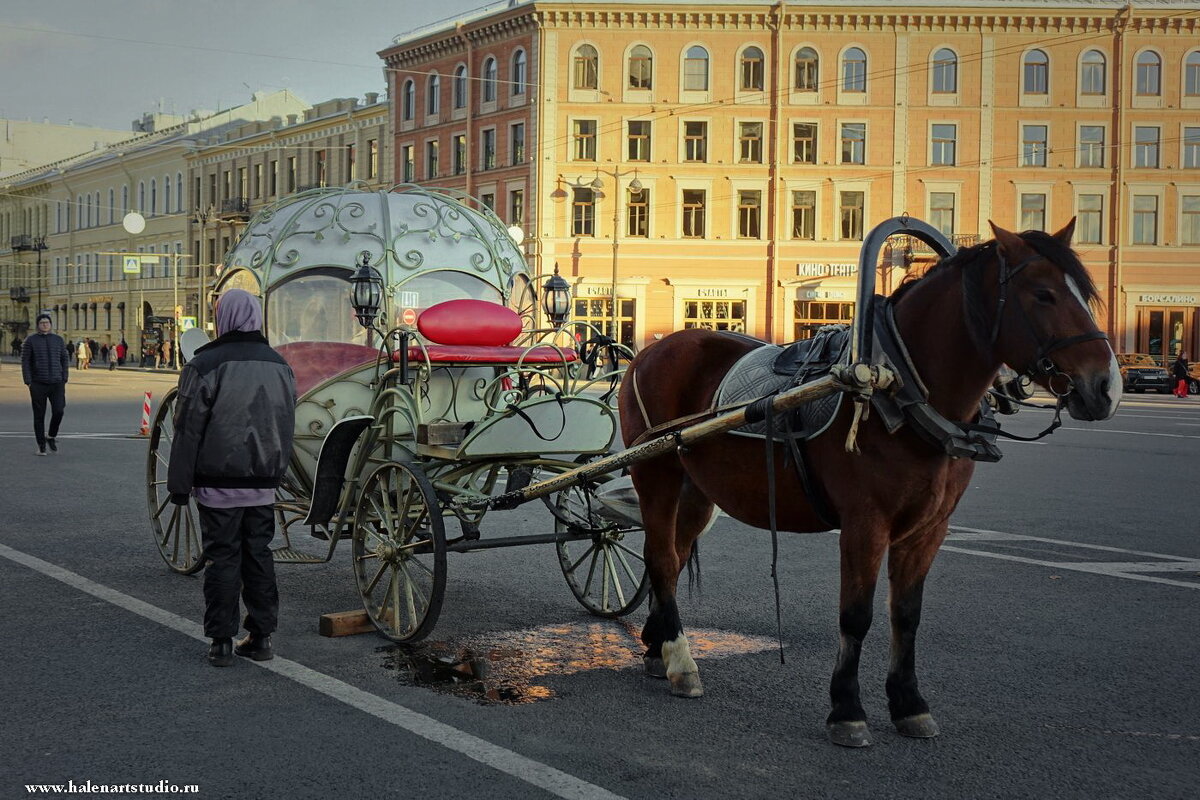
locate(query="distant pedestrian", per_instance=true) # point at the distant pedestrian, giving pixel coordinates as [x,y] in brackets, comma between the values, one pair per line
[112,358]
[83,355]
[122,349]
[16,346]
[1179,369]
[166,353]
[45,367]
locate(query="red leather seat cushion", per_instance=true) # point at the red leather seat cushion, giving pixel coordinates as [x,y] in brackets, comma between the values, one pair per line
[475,323]
[468,354]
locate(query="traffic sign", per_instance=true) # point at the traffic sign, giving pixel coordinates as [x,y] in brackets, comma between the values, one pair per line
[131,265]
[409,317]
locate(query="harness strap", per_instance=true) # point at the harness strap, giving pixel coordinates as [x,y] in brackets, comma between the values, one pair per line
[770,458]
[558,397]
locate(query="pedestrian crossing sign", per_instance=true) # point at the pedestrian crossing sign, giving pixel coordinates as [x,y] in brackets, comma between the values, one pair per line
[132,265]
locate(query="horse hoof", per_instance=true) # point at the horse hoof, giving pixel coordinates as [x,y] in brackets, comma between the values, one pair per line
[850,734]
[655,667]
[919,726]
[686,684]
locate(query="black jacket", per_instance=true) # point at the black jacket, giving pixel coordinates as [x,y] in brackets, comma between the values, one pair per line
[233,417]
[44,359]
[1180,369]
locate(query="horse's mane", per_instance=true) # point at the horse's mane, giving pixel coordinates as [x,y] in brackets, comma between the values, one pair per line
[970,261]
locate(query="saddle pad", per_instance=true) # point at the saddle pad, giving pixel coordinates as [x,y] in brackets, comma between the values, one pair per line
[753,376]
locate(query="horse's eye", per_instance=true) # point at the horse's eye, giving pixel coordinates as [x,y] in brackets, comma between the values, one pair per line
[1044,296]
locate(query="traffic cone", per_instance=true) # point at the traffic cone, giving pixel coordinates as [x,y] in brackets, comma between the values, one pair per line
[145,431]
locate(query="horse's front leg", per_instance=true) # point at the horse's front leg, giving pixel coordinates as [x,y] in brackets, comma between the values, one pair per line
[862,551]
[908,564]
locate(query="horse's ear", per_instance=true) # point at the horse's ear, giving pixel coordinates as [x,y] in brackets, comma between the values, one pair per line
[1008,242]
[1064,235]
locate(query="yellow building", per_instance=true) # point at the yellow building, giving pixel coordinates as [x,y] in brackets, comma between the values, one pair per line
[766,138]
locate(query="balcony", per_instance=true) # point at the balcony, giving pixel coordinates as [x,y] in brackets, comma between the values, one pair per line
[901,247]
[18,294]
[234,209]
[25,242]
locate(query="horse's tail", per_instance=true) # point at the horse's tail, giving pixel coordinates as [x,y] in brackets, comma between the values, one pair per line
[693,568]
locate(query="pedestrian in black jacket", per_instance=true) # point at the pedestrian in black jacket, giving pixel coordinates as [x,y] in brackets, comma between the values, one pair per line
[1180,370]
[233,439]
[45,366]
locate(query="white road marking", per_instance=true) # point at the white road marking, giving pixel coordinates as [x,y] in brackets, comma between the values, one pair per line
[19,435]
[1133,433]
[518,766]
[1128,570]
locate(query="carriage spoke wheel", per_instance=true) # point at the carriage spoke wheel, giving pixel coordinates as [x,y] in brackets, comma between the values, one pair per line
[606,571]
[176,529]
[399,552]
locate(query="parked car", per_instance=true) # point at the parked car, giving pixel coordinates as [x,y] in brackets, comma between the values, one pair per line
[1140,372]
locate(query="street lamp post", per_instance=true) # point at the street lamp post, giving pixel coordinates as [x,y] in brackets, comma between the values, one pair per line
[200,217]
[39,244]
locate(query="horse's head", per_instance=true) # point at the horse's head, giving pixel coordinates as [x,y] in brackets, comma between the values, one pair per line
[1042,325]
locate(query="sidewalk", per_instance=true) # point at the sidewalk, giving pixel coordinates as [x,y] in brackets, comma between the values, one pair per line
[9,359]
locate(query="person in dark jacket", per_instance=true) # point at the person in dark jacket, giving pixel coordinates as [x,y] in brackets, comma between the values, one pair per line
[45,366]
[233,438]
[1179,369]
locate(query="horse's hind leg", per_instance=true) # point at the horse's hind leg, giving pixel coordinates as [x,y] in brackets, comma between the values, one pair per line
[908,563]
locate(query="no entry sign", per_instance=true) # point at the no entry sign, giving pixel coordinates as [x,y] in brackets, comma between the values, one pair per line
[409,316]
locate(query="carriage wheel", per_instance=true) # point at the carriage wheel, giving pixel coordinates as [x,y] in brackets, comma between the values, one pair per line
[606,571]
[399,552]
[176,528]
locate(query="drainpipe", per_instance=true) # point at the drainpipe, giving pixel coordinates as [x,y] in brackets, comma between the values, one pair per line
[71,229]
[1115,230]
[775,23]
[468,157]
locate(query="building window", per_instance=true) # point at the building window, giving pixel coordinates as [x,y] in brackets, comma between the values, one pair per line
[804,215]
[1089,226]
[945,139]
[1091,145]
[372,158]
[693,213]
[752,69]
[1191,148]
[851,215]
[1191,74]
[489,80]
[516,138]
[516,207]
[715,315]
[854,70]
[1033,145]
[586,69]
[351,156]
[811,316]
[641,67]
[153,201]
[408,160]
[854,142]
[518,73]
[459,159]
[596,314]
[749,214]
[750,142]
[583,212]
[166,196]
[112,199]
[258,178]
[1145,146]
[695,141]
[431,160]
[1033,212]
[638,214]
[804,142]
[1149,75]
[695,69]
[321,168]
[408,101]
[460,87]
[945,72]
[1189,226]
[639,140]
[941,212]
[433,100]
[272,182]
[807,74]
[1092,73]
[585,140]
[1145,219]
[1036,73]
[488,153]
[291,174]
[488,200]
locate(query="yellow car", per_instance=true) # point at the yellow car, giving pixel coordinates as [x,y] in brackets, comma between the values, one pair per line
[1140,372]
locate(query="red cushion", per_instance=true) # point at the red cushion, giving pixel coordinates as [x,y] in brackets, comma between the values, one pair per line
[467,354]
[469,322]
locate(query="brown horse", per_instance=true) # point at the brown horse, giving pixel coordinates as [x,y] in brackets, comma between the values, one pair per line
[1021,300]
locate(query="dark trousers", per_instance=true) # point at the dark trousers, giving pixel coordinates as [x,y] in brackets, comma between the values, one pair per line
[237,545]
[39,393]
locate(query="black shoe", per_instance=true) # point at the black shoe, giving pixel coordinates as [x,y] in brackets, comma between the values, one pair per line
[53,442]
[220,653]
[255,647]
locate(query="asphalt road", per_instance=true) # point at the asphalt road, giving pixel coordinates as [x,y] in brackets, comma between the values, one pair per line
[1058,648]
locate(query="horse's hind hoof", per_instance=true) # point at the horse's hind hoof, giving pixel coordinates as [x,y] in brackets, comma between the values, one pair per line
[686,684]
[655,667]
[852,733]
[919,726]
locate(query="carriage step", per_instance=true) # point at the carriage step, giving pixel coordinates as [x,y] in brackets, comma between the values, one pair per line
[286,555]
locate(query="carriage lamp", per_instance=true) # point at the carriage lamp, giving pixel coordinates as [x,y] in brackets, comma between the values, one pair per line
[366,291]
[556,298]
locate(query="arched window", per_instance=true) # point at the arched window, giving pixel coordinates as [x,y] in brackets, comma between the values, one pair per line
[1092,77]
[807,69]
[460,87]
[408,101]
[945,71]
[166,194]
[1036,73]
[112,198]
[695,69]
[586,68]
[1191,74]
[854,70]
[141,196]
[88,205]
[124,200]
[641,68]
[178,191]
[153,196]
[489,80]
[1149,74]
[433,101]
[518,73]
[752,69]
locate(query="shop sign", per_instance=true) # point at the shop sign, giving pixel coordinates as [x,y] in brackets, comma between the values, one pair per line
[593,290]
[1168,299]
[816,270]
[712,293]
[824,294]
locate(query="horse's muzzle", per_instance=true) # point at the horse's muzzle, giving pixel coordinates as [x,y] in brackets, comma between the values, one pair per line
[1096,396]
